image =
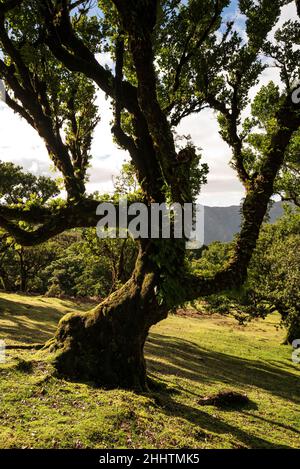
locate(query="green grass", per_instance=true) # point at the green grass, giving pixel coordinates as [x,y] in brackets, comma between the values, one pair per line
[188,357]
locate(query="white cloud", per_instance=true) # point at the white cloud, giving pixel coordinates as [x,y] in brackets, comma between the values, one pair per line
[223,187]
[288,12]
[107,157]
[20,143]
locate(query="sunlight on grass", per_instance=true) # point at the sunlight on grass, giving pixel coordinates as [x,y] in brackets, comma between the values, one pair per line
[32,319]
[188,359]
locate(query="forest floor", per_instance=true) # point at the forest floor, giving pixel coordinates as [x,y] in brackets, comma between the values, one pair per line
[189,357]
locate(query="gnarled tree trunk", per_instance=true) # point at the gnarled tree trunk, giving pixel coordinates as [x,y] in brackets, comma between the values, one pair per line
[106,345]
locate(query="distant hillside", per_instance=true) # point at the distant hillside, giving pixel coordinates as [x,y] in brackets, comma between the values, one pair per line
[222,223]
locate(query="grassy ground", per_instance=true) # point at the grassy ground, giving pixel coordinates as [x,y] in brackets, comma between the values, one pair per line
[189,357]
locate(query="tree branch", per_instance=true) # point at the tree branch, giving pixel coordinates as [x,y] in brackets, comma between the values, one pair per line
[254,208]
[19,110]
[71,50]
[68,48]
[48,223]
[186,56]
[139,27]
[30,215]
[34,112]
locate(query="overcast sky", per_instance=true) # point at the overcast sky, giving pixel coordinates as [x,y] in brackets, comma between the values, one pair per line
[20,144]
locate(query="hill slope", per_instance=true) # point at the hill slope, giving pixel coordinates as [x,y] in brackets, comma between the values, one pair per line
[222,223]
[189,358]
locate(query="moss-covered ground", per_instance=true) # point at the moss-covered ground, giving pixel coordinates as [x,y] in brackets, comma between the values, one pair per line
[188,358]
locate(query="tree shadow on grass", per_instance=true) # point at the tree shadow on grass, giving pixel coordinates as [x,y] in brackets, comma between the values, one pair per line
[25,323]
[208,423]
[187,360]
[272,422]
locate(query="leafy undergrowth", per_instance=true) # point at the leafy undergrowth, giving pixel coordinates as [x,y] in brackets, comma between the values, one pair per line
[189,359]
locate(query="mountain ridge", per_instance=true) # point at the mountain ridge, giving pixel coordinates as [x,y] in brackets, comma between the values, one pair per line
[223,223]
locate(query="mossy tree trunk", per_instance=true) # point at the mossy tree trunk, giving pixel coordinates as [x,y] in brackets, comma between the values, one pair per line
[106,345]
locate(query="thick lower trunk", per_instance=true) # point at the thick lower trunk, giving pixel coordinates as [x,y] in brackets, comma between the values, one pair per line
[106,345]
[101,349]
[293,330]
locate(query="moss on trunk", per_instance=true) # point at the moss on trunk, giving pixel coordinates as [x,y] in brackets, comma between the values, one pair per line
[106,345]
